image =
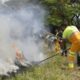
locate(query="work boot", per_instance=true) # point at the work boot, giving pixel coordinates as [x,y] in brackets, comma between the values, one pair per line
[69,66]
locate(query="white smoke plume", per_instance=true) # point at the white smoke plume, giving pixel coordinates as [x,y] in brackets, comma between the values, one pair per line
[3,1]
[18,26]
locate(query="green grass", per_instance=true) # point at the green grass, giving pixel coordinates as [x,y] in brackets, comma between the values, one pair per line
[51,70]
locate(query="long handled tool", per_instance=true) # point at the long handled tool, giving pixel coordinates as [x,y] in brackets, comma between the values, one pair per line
[51,56]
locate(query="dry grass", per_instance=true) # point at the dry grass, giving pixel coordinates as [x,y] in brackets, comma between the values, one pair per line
[50,70]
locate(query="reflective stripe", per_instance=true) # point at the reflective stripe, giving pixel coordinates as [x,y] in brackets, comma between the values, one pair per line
[71,54]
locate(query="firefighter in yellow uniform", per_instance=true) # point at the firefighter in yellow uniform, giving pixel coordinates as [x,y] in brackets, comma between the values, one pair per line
[72,34]
[57,48]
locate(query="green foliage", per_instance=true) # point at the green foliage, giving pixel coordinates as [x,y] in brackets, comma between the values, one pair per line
[60,11]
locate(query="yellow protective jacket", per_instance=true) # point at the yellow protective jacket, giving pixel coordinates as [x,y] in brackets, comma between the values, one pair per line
[69,33]
[73,35]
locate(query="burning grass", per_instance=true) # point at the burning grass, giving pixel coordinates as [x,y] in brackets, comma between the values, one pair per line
[51,70]
[19,26]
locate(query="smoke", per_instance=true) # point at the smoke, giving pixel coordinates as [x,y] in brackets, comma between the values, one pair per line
[19,25]
[3,1]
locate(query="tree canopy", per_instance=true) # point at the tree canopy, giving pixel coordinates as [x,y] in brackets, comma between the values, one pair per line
[60,12]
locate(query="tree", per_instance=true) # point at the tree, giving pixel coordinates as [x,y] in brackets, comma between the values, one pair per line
[60,11]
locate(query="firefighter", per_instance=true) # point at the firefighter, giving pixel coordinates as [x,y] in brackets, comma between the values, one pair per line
[62,43]
[72,34]
[57,48]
